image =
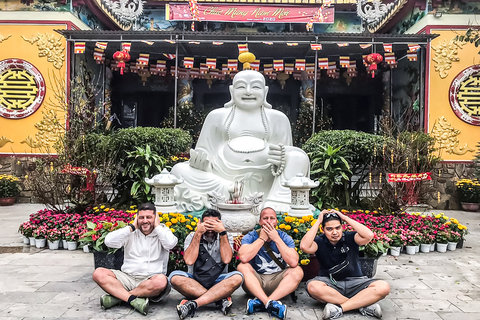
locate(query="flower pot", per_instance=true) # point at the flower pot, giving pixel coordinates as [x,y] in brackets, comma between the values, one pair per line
[425,247]
[452,246]
[7,201]
[468,206]
[86,249]
[395,251]
[310,270]
[72,245]
[40,243]
[432,247]
[32,241]
[64,244]
[368,266]
[110,261]
[26,240]
[410,249]
[417,248]
[53,245]
[442,247]
[460,244]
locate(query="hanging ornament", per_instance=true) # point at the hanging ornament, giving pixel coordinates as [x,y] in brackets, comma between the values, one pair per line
[374,152]
[246,58]
[121,57]
[370,177]
[407,163]
[418,156]
[438,196]
[391,156]
[372,60]
[380,178]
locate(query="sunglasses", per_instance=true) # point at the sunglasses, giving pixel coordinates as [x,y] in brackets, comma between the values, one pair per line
[331,214]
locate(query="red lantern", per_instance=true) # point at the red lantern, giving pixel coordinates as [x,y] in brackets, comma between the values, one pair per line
[121,57]
[372,60]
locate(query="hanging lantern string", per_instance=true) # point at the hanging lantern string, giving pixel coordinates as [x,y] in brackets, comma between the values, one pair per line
[318,16]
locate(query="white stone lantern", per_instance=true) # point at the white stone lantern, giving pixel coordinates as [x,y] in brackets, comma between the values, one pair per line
[163,187]
[300,188]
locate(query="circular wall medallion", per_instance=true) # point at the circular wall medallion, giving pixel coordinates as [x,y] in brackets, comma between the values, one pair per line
[22,88]
[464,95]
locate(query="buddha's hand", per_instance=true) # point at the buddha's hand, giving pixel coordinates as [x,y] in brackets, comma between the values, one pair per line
[276,155]
[199,160]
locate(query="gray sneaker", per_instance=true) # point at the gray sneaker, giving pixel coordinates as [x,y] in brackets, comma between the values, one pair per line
[141,305]
[332,311]
[107,301]
[372,310]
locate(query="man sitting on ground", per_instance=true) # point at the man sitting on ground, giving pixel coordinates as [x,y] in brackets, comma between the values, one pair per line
[341,284]
[208,252]
[269,263]
[146,244]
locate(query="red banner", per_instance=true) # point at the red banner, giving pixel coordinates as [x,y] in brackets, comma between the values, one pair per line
[409,177]
[249,13]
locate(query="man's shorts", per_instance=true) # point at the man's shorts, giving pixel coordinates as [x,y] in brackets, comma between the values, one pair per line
[268,282]
[130,282]
[221,277]
[348,287]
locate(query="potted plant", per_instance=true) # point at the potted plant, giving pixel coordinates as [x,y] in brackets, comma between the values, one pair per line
[53,237]
[426,240]
[442,240]
[413,241]
[469,194]
[453,238]
[40,233]
[370,253]
[26,229]
[94,237]
[8,189]
[397,241]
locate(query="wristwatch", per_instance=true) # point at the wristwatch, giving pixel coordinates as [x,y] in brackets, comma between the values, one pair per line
[223,233]
[131,226]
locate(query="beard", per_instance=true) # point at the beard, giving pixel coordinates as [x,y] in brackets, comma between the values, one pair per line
[146,228]
[210,236]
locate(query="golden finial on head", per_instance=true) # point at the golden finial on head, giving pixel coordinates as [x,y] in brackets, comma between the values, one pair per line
[246,58]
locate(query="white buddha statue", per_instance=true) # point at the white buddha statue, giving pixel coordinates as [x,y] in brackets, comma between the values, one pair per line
[245,141]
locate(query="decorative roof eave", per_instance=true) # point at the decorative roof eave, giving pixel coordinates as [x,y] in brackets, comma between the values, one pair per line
[398,16]
[111,21]
[299,37]
[391,12]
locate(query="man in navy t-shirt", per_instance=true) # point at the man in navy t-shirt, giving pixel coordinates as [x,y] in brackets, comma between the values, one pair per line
[340,283]
[269,263]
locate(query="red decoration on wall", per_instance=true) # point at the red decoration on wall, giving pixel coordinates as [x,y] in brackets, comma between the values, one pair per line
[121,57]
[372,60]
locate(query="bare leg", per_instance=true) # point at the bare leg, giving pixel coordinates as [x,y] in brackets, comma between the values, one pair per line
[221,290]
[251,282]
[187,287]
[323,293]
[290,282]
[106,279]
[374,292]
[151,287]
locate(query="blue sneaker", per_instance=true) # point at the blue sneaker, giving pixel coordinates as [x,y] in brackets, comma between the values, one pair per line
[277,309]
[254,305]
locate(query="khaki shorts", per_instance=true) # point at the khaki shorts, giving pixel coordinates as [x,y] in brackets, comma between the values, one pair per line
[268,282]
[131,282]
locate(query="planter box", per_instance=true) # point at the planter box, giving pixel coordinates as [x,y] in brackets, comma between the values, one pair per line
[368,266]
[109,261]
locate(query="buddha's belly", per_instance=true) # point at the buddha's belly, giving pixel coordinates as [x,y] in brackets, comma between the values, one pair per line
[245,152]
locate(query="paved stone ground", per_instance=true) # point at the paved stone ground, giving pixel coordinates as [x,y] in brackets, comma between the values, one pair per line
[45,284]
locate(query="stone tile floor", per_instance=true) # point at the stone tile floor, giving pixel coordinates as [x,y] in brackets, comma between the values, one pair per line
[45,284]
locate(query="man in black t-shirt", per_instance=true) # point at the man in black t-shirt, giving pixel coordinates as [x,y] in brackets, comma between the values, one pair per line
[340,283]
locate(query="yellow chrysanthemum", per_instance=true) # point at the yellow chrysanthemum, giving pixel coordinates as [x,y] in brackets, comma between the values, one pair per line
[282,226]
[193,223]
[295,230]
[189,227]
[174,221]
[173,230]
[168,224]
[301,221]
[288,227]
[304,262]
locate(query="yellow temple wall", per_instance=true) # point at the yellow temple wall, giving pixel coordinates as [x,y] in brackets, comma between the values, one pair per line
[457,139]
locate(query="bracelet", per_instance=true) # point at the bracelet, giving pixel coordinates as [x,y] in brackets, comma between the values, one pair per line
[223,233]
[132,226]
[262,239]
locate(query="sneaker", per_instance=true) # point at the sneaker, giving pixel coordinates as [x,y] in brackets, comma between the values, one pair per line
[372,310]
[332,311]
[108,301]
[254,305]
[141,305]
[226,305]
[277,309]
[187,308]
